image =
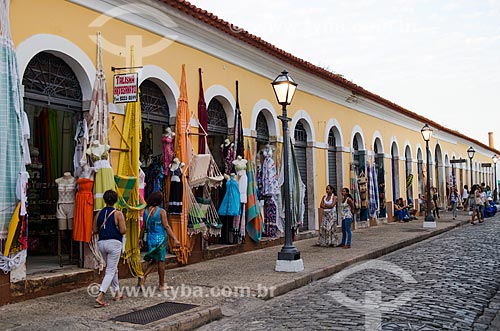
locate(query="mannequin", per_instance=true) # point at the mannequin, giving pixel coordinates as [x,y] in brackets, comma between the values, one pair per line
[84,205]
[240,165]
[168,147]
[104,176]
[66,187]
[175,196]
[228,155]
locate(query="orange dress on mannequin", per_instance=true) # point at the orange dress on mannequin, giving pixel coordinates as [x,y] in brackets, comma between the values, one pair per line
[84,211]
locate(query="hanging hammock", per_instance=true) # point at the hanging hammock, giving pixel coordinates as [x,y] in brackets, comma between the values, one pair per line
[203,171]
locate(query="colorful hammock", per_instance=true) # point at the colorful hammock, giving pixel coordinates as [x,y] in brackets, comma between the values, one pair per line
[124,187]
[203,172]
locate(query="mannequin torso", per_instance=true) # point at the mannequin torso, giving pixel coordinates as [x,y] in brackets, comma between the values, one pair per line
[66,184]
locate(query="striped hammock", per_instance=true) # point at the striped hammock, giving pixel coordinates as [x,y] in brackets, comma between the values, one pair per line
[124,187]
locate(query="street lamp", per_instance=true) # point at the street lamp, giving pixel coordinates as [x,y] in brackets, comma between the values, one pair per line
[470,153]
[289,257]
[495,191]
[429,221]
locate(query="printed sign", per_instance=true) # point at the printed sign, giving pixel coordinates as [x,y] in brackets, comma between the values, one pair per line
[125,88]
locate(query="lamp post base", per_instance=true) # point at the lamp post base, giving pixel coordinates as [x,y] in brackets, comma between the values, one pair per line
[429,224]
[289,265]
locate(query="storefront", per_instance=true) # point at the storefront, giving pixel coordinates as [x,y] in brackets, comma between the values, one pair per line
[53,103]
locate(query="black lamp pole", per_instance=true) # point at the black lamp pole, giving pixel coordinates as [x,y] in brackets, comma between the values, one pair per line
[284,88]
[495,191]
[426,134]
[471,153]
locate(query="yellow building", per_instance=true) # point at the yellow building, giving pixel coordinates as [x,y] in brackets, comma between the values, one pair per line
[337,127]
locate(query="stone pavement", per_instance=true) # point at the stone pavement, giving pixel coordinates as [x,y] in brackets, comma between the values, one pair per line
[220,287]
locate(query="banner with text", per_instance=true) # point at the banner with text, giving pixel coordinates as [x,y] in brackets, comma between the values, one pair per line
[125,87]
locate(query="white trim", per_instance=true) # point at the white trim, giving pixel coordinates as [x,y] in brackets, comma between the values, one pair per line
[339,138]
[357,129]
[75,58]
[224,96]
[303,115]
[376,135]
[117,108]
[187,30]
[440,155]
[165,82]
[421,149]
[394,140]
[270,114]
[408,145]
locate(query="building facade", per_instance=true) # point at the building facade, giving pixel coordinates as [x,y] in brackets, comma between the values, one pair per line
[337,127]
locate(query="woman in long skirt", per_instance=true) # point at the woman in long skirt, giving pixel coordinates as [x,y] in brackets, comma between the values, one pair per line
[328,230]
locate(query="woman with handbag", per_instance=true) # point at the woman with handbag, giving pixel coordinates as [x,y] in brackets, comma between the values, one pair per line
[109,224]
[476,204]
[155,221]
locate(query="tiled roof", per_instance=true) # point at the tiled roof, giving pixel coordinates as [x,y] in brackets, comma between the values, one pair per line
[243,35]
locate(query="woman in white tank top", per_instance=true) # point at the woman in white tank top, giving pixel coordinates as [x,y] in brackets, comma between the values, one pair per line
[328,230]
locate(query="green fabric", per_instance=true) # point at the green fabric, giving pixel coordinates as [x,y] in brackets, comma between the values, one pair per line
[54,146]
[11,108]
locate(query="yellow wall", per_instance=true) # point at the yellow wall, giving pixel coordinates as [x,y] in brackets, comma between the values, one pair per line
[72,22]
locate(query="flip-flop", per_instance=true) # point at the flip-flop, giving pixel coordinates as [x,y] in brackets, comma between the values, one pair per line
[164,288]
[119,298]
[101,304]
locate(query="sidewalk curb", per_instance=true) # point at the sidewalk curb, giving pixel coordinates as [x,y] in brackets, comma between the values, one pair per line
[330,270]
[190,320]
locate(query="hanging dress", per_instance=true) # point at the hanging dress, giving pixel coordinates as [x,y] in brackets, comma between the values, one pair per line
[269,176]
[157,236]
[104,178]
[168,151]
[228,154]
[230,205]
[81,140]
[175,196]
[84,211]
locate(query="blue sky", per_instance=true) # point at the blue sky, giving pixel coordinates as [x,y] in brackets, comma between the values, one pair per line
[440,59]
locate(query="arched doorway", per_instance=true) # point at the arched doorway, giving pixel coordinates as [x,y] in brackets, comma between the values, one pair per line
[396,193]
[408,175]
[155,119]
[332,161]
[379,163]
[53,103]
[300,146]
[450,180]
[420,171]
[440,181]
[218,131]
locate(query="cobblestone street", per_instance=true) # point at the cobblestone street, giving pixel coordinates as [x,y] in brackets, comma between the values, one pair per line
[448,282]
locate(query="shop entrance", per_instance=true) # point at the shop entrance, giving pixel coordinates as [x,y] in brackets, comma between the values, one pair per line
[300,146]
[218,131]
[155,120]
[53,103]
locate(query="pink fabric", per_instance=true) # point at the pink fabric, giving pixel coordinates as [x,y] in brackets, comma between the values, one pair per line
[168,151]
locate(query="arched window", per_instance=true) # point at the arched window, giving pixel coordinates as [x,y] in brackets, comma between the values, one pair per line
[48,80]
[262,129]
[154,105]
[332,160]
[217,120]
